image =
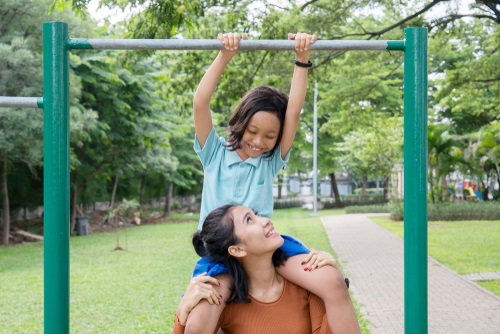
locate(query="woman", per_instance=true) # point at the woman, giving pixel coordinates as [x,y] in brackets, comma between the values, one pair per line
[261,300]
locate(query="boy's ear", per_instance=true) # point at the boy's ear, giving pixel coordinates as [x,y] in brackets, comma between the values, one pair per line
[237,251]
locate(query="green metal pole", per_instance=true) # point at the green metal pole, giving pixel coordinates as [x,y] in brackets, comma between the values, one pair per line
[415,180]
[56,177]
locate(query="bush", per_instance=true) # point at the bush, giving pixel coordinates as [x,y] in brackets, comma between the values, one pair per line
[368,209]
[369,191]
[464,210]
[351,200]
[285,203]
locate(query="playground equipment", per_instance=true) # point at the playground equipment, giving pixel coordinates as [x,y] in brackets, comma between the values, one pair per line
[55,103]
[471,188]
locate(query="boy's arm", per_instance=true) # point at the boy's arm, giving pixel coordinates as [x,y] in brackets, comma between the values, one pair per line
[208,84]
[297,90]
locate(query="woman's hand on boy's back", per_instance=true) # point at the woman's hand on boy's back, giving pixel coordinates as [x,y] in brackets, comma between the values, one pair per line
[231,42]
[303,42]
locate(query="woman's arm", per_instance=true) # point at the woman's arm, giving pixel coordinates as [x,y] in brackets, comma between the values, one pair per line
[206,88]
[297,90]
[328,284]
[204,317]
[317,312]
[200,287]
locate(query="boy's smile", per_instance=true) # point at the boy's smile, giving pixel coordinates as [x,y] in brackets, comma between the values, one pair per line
[260,135]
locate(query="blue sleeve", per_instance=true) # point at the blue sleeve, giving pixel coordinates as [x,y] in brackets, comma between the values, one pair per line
[212,145]
[277,163]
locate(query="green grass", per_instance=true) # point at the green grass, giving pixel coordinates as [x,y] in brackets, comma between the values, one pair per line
[466,247]
[493,286]
[132,291]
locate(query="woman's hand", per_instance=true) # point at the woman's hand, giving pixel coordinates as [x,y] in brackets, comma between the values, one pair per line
[317,259]
[200,287]
[231,42]
[302,43]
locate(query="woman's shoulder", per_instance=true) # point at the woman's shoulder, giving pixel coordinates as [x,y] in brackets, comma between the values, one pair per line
[293,290]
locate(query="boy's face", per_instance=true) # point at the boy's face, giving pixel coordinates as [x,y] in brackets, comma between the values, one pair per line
[260,135]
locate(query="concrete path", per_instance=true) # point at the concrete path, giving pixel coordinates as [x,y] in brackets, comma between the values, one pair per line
[372,258]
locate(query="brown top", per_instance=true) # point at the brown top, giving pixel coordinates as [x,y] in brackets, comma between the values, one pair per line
[296,311]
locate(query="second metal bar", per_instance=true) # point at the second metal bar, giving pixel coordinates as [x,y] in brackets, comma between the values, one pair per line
[20,102]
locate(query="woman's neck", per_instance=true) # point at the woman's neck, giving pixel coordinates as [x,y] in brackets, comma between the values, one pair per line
[265,284]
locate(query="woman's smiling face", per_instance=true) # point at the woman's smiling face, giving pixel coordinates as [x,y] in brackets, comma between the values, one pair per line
[256,233]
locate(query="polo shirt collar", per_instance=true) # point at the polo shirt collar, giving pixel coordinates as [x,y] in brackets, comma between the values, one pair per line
[232,158]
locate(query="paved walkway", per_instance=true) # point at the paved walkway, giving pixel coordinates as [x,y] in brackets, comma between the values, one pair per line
[372,258]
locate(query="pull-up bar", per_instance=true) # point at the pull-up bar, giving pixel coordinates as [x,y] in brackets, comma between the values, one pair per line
[55,103]
[214,44]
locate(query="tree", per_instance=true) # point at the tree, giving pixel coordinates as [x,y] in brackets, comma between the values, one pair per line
[482,157]
[374,153]
[133,121]
[443,156]
[20,130]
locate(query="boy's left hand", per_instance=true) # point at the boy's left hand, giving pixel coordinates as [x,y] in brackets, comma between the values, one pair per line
[302,43]
[317,259]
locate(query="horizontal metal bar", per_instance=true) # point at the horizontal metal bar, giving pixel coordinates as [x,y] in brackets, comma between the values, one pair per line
[214,44]
[20,102]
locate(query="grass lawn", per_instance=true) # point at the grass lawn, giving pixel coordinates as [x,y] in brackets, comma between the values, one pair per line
[132,291]
[466,247]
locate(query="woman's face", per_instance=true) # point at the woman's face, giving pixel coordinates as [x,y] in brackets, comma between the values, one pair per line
[256,233]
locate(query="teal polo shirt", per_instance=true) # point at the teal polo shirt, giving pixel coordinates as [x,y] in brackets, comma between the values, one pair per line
[230,180]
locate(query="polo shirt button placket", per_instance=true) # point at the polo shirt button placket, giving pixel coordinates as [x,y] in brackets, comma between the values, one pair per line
[237,188]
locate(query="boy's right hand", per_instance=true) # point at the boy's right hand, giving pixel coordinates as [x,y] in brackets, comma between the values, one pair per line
[231,42]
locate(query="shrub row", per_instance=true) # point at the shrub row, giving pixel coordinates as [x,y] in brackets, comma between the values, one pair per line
[354,200]
[285,203]
[383,208]
[463,210]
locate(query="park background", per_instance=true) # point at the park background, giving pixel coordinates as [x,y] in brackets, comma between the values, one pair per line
[132,138]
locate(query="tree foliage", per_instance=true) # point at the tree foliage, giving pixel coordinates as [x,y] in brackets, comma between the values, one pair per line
[131,112]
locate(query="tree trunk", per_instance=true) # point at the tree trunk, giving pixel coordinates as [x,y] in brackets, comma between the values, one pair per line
[73,206]
[484,192]
[280,184]
[386,187]
[365,185]
[444,185]
[5,202]
[335,189]
[168,199]
[142,186]
[430,178]
[115,185]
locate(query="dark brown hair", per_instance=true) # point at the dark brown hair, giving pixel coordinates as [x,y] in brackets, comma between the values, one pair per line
[262,98]
[213,242]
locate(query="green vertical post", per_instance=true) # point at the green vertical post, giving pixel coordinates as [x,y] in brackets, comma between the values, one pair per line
[415,181]
[56,177]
